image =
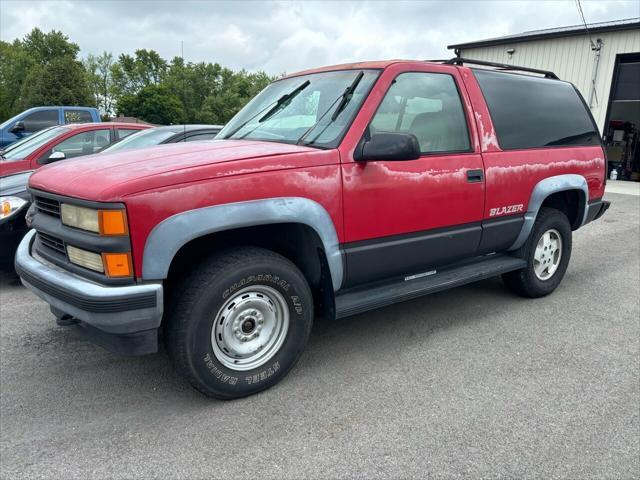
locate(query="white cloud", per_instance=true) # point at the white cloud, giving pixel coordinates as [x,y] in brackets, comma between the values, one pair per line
[289,36]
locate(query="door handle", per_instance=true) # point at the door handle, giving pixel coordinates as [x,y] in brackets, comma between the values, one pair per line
[474,176]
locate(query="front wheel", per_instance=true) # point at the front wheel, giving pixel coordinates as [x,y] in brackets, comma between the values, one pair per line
[547,252]
[239,322]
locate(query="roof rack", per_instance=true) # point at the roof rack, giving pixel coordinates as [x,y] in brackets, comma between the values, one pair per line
[501,66]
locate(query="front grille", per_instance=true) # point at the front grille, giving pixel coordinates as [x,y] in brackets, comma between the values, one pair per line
[54,238]
[48,206]
[52,242]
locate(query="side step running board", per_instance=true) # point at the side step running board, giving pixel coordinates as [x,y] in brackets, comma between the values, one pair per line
[361,299]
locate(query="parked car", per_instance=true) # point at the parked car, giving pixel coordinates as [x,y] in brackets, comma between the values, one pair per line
[14,202]
[38,118]
[47,146]
[62,142]
[162,135]
[333,192]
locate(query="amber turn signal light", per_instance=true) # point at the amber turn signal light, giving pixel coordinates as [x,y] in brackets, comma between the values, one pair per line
[117,264]
[112,222]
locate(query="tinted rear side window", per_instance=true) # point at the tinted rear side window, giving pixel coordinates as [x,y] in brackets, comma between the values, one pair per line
[533,112]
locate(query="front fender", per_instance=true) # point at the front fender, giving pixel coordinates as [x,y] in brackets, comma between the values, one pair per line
[166,238]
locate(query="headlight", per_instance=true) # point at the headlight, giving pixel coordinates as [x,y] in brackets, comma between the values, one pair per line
[104,222]
[80,217]
[10,206]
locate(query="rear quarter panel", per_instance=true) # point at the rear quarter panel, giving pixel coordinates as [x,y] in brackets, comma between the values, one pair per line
[511,175]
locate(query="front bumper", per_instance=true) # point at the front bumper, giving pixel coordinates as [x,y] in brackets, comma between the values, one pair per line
[123,319]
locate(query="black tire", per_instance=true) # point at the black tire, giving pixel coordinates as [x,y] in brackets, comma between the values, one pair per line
[525,282]
[200,296]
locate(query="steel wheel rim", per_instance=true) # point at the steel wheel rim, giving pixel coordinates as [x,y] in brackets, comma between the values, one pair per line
[548,254]
[250,328]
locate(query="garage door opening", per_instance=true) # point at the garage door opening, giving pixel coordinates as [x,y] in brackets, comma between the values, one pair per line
[622,127]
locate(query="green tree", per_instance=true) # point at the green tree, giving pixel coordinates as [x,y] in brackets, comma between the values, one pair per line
[15,65]
[42,68]
[233,93]
[212,93]
[191,83]
[100,81]
[153,104]
[45,47]
[131,74]
[62,81]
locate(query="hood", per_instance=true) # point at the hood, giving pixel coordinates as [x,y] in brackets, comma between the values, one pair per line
[13,184]
[109,176]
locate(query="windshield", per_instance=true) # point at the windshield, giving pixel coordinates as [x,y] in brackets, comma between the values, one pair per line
[308,111]
[144,138]
[27,146]
[23,140]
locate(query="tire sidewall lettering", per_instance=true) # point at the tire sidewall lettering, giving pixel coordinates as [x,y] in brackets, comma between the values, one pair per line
[275,367]
[274,280]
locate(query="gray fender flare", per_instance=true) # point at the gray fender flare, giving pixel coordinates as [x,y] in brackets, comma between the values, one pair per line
[171,234]
[541,191]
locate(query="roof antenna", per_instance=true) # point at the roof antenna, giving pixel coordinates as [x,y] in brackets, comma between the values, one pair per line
[184,93]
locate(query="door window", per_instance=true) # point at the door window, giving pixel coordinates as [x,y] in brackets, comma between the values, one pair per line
[40,120]
[77,116]
[84,143]
[125,132]
[200,137]
[427,105]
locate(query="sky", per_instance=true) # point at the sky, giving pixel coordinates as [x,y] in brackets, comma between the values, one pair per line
[286,36]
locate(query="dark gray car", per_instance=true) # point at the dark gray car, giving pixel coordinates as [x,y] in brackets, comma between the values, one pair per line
[170,134]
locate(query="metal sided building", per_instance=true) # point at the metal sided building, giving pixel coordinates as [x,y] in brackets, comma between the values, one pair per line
[604,63]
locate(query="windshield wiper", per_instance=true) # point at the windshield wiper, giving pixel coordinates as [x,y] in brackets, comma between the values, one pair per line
[284,101]
[346,96]
[344,100]
[286,98]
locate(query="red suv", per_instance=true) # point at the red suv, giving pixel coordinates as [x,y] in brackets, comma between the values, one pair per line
[62,142]
[333,192]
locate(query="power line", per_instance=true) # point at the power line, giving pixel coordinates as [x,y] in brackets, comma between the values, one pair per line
[584,22]
[594,47]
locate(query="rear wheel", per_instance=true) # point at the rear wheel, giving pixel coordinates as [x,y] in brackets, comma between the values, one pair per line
[239,322]
[547,252]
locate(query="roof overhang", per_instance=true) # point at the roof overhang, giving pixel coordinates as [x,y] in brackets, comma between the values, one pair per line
[549,34]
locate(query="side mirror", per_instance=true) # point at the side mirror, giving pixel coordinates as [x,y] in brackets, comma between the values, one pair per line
[17,127]
[390,147]
[54,157]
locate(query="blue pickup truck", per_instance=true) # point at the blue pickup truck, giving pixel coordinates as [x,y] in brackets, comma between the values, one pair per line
[39,118]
